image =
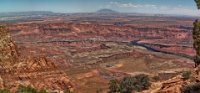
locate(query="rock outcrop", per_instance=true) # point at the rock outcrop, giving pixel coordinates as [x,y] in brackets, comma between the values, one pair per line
[9,54]
[39,72]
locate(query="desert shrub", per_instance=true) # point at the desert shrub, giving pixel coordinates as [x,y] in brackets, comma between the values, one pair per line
[67,91]
[129,84]
[5,91]
[186,75]
[43,91]
[137,83]
[26,89]
[197,59]
[114,86]
[29,89]
[194,88]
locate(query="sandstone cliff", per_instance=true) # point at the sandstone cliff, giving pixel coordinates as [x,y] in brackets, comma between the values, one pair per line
[38,72]
[8,54]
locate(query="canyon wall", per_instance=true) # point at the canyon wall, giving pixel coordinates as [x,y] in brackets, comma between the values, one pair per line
[38,71]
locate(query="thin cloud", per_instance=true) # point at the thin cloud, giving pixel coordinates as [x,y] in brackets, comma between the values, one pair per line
[131,5]
[178,10]
[151,8]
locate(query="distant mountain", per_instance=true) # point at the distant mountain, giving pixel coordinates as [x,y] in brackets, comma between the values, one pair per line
[28,13]
[105,11]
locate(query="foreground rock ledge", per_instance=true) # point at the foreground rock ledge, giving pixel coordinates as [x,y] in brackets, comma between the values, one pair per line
[38,72]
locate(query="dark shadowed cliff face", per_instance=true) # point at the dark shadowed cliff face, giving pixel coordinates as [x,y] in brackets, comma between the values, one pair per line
[38,72]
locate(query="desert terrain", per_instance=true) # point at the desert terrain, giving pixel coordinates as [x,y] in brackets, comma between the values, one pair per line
[89,49]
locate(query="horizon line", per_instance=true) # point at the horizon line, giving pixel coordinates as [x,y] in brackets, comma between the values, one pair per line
[167,14]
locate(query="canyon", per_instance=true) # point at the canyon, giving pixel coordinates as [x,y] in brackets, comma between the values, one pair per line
[82,52]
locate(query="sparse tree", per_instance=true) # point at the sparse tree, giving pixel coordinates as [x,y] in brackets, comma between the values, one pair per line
[5,91]
[193,88]
[196,37]
[67,91]
[186,75]
[114,86]
[29,89]
[43,91]
[26,89]
[198,3]
[136,83]
[196,41]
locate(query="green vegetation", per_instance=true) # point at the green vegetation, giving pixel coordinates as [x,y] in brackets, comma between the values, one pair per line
[196,37]
[196,33]
[186,75]
[129,84]
[67,91]
[5,91]
[194,88]
[29,89]
[196,40]
[43,91]
[114,86]
[137,83]
[198,3]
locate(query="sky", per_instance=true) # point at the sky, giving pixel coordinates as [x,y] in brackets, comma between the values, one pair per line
[180,7]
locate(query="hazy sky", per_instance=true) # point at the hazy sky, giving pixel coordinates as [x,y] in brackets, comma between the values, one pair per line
[186,7]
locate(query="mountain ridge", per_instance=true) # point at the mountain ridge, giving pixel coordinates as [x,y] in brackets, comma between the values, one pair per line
[106,11]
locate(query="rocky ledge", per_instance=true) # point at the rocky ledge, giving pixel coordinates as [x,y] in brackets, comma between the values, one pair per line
[37,72]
